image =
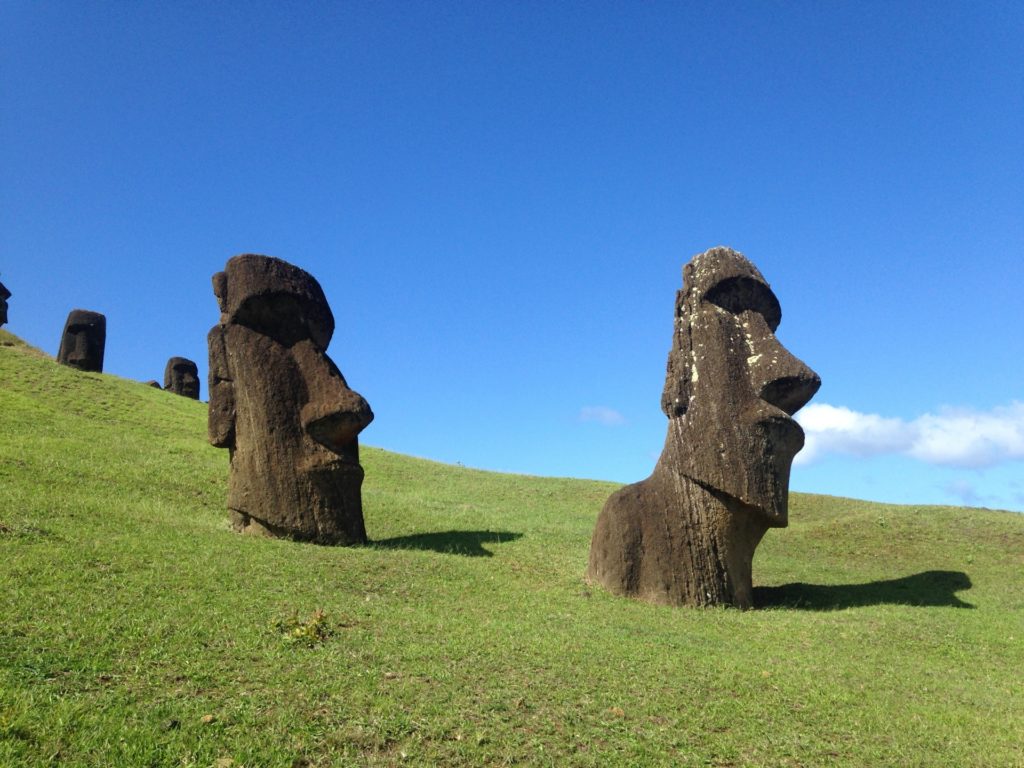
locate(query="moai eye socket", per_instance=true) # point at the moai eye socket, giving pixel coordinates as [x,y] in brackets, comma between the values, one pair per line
[283,317]
[742,294]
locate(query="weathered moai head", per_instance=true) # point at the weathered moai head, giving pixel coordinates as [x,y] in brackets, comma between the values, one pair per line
[731,387]
[282,407]
[687,534]
[83,341]
[181,376]
[4,296]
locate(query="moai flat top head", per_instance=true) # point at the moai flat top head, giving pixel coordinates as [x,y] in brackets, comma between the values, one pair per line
[274,298]
[83,341]
[181,376]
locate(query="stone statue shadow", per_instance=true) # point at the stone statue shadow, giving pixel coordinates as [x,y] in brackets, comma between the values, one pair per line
[928,588]
[465,543]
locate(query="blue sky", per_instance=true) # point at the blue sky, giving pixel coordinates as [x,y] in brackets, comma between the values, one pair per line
[498,199]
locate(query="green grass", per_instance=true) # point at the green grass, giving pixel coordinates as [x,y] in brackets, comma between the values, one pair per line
[138,630]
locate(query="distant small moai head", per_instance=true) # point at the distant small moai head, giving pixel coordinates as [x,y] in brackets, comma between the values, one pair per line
[686,535]
[181,376]
[4,296]
[83,341]
[282,407]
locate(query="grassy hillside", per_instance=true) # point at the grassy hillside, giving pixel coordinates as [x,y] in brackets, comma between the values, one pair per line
[138,630]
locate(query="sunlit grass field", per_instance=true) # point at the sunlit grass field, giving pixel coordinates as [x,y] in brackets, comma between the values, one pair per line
[138,630]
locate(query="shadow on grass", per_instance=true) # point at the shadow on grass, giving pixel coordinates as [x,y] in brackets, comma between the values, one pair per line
[929,588]
[467,543]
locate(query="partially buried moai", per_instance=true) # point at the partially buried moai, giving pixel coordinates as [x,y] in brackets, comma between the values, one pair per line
[282,407]
[83,341]
[4,296]
[181,376]
[686,535]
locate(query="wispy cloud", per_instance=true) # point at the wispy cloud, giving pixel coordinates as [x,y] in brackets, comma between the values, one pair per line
[953,437]
[602,414]
[965,491]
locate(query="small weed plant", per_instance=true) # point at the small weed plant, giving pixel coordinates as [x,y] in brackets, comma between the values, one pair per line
[304,632]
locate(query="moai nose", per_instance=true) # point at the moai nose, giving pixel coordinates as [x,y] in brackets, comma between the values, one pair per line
[80,349]
[335,414]
[791,392]
[779,377]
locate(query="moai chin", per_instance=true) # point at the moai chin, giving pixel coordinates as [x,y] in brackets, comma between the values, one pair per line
[686,535]
[282,407]
[4,296]
[181,376]
[83,341]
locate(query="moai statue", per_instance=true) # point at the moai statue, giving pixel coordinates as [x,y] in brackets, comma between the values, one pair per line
[4,296]
[282,407]
[181,376]
[81,345]
[686,535]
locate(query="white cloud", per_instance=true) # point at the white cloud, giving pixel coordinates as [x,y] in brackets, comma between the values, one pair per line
[602,414]
[966,438]
[832,429]
[955,437]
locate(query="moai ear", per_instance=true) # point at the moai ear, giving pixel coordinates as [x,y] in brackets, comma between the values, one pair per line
[221,415]
[675,397]
[220,290]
